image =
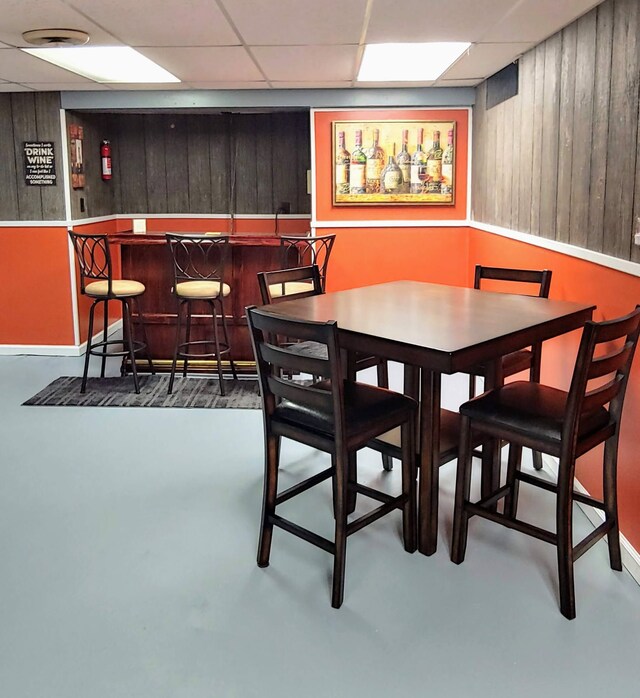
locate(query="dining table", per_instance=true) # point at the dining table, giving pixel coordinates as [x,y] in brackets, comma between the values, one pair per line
[435,329]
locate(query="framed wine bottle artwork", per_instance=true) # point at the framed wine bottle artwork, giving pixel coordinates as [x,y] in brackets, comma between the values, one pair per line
[394,162]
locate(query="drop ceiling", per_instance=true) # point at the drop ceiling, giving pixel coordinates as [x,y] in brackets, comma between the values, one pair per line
[276,44]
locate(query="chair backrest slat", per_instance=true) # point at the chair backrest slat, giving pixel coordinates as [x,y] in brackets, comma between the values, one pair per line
[541,278]
[601,396]
[269,281]
[604,365]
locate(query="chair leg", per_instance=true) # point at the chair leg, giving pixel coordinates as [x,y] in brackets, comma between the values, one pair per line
[537,459]
[610,491]
[513,465]
[382,370]
[352,477]
[176,347]
[270,491]
[472,387]
[128,332]
[187,340]
[105,328]
[409,477]
[226,340]
[85,372]
[216,340]
[463,491]
[340,545]
[145,339]
[564,528]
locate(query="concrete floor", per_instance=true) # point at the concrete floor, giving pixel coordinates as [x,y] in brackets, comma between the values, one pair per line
[127,549]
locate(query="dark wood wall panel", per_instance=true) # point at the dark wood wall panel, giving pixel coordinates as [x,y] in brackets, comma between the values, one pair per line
[560,159]
[29,116]
[8,178]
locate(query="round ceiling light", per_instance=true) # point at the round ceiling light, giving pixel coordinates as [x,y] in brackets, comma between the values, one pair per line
[46,37]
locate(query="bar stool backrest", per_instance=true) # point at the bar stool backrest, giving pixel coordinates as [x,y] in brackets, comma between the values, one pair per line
[94,258]
[198,257]
[298,251]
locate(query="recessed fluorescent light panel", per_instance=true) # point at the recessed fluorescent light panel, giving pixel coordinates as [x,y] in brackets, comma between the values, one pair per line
[106,64]
[409,62]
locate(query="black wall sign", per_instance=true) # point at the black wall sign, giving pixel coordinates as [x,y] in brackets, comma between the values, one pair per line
[39,163]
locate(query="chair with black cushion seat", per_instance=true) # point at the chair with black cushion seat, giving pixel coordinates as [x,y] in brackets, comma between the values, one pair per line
[524,359]
[565,425]
[334,415]
[302,282]
[199,263]
[96,281]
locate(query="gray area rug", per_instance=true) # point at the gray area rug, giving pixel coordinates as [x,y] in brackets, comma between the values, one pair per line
[119,392]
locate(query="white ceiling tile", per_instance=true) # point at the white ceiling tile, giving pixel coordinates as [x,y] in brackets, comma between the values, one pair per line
[395,21]
[297,22]
[18,66]
[202,64]
[408,85]
[21,15]
[164,87]
[184,23]
[483,60]
[307,63]
[536,20]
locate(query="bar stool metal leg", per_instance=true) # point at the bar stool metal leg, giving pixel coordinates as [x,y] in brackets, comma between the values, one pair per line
[85,373]
[128,337]
[177,345]
[216,340]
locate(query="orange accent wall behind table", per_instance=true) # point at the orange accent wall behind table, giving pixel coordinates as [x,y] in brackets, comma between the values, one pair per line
[36,288]
[324,161]
[615,294]
[364,256]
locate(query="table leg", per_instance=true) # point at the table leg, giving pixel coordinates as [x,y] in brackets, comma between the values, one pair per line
[491,451]
[428,486]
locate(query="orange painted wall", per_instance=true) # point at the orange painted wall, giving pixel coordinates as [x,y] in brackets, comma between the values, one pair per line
[36,288]
[615,293]
[363,256]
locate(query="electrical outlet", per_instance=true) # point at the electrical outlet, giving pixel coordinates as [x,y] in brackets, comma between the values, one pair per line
[636,237]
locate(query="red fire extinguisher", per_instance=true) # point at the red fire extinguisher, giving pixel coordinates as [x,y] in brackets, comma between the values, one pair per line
[105,159]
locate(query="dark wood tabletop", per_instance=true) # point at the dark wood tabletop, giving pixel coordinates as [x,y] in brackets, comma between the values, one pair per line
[439,329]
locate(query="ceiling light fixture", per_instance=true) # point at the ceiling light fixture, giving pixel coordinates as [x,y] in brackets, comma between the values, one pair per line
[105,64]
[46,37]
[409,62]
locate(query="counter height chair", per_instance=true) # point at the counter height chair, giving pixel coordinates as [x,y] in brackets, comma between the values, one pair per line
[199,263]
[565,425]
[302,282]
[299,251]
[97,282]
[334,415]
[524,359]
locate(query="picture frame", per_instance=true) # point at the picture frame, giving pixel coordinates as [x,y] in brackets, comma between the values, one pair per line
[393,162]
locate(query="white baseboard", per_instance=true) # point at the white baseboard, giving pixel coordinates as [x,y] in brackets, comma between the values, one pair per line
[630,556]
[56,349]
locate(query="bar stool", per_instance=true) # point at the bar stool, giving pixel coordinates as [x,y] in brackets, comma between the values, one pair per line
[302,251]
[199,263]
[97,282]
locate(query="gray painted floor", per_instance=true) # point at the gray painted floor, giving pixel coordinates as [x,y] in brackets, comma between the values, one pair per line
[127,548]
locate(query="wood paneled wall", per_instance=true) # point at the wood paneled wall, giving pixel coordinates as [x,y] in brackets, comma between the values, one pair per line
[29,116]
[560,159]
[196,163]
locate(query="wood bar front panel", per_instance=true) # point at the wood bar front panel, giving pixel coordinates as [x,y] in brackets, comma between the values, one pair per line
[146,259]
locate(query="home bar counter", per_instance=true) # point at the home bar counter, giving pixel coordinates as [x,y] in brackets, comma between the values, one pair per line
[145,258]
